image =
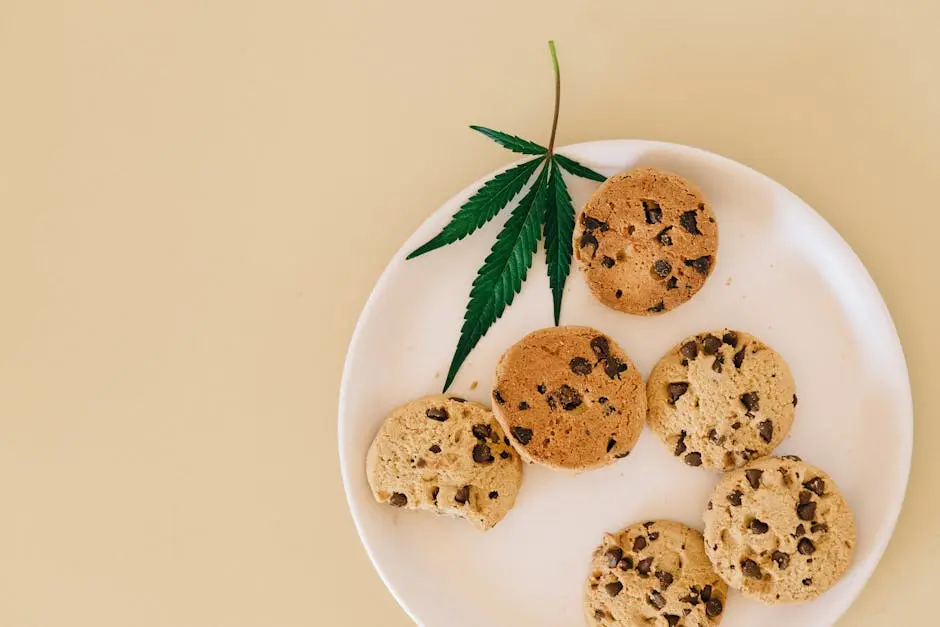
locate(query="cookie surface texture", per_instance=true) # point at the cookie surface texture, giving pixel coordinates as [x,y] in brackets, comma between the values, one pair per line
[779,530]
[569,398]
[446,455]
[654,573]
[721,399]
[647,241]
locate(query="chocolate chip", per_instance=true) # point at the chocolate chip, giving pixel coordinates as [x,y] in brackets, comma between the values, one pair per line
[688,222]
[693,459]
[738,359]
[421,463]
[506,441]
[621,455]
[735,498]
[626,563]
[689,350]
[806,546]
[639,544]
[654,214]
[437,413]
[482,455]
[672,283]
[766,430]
[665,579]
[608,262]
[671,620]
[749,454]
[580,366]
[758,526]
[664,237]
[751,569]
[706,593]
[662,268]
[753,477]
[710,506]
[710,344]
[660,306]
[714,608]
[819,528]
[816,485]
[499,397]
[730,338]
[435,448]
[806,511]
[793,458]
[522,434]
[592,224]
[398,500]
[462,495]
[654,536]
[569,397]
[551,403]
[481,431]
[751,401]
[800,531]
[795,401]
[643,567]
[493,495]
[656,599]
[702,264]
[541,388]
[782,559]
[602,400]
[717,364]
[434,492]
[588,239]
[680,444]
[713,436]
[611,443]
[736,425]
[601,347]
[504,455]
[618,293]
[676,389]
[631,229]
[613,367]
[614,556]
[808,581]
[600,614]
[613,588]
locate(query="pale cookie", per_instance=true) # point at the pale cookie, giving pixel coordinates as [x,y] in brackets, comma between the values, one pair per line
[447,455]
[653,574]
[721,399]
[779,531]
[646,240]
[569,398]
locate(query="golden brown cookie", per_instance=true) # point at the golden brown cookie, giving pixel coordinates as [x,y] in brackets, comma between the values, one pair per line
[779,530]
[721,399]
[569,398]
[646,240]
[653,574]
[446,455]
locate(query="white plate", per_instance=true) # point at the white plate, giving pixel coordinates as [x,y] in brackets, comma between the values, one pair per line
[782,273]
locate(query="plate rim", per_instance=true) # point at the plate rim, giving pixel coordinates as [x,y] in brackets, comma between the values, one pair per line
[880,542]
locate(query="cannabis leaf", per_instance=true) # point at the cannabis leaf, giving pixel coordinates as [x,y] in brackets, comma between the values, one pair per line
[545,207]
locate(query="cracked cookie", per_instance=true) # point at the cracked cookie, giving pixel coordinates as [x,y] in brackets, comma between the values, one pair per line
[569,398]
[654,573]
[721,399]
[646,240]
[779,530]
[447,455]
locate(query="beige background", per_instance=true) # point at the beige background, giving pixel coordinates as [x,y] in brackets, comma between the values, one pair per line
[196,198]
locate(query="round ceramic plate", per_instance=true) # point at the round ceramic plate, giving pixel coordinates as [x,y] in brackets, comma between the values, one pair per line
[782,274]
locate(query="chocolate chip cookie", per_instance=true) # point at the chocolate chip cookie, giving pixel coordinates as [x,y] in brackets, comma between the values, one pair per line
[569,398]
[646,240]
[779,531]
[654,573]
[721,399]
[447,455]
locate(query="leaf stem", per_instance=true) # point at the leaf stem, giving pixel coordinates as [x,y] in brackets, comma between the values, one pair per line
[551,141]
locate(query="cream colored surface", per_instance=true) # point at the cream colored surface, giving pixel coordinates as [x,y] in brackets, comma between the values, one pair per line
[197,197]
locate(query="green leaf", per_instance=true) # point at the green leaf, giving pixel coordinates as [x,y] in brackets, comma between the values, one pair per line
[579,170]
[513,143]
[481,207]
[503,271]
[559,229]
